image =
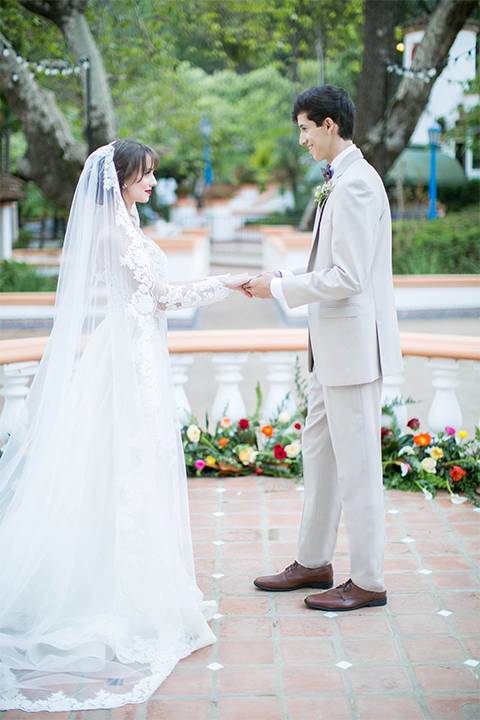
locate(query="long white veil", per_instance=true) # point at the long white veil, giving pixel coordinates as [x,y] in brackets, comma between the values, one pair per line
[97,594]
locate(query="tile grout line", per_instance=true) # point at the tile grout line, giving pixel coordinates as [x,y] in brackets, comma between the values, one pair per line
[273,614]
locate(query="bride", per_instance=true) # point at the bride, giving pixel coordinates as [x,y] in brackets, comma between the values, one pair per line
[98,599]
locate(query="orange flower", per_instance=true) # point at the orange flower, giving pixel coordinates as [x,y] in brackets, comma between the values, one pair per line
[267,430]
[422,439]
[223,441]
[456,473]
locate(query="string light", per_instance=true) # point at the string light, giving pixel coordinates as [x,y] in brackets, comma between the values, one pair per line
[54,68]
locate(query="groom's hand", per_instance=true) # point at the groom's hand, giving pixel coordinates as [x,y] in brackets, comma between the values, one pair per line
[259,286]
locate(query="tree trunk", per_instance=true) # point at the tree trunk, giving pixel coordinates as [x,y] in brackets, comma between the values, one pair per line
[379,42]
[68,15]
[54,158]
[412,95]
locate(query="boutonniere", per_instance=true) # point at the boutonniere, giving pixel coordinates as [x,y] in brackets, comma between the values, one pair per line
[323,191]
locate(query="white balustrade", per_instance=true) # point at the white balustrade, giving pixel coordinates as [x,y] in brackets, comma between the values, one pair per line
[445,410]
[180,365]
[280,375]
[228,399]
[14,379]
[392,392]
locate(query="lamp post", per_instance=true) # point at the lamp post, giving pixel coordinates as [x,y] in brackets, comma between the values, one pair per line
[206,128]
[434,140]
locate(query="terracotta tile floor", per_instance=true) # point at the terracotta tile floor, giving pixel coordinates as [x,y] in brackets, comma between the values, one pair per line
[275,659]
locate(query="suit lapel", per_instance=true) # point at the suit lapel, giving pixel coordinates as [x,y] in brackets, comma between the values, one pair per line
[351,158]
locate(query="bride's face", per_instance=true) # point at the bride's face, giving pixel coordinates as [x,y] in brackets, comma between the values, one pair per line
[139,187]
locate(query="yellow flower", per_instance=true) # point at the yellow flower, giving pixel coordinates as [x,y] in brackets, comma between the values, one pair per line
[436,453]
[244,454]
[428,464]
[293,449]
[462,434]
[193,433]
[210,460]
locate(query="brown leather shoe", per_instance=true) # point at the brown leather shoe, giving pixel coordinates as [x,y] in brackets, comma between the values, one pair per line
[296,576]
[346,597]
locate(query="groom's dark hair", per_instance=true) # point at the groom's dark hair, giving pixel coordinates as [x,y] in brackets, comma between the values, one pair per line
[325,101]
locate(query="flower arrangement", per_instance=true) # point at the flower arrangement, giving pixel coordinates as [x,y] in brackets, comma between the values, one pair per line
[421,462]
[247,446]
[323,191]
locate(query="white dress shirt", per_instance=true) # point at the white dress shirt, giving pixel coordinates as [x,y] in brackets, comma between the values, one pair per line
[276,282]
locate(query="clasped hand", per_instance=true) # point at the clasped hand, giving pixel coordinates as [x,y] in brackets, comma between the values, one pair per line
[255,286]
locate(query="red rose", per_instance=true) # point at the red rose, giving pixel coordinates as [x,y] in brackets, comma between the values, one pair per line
[384,432]
[259,471]
[279,452]
[413,424]
[298,426]
[243,424]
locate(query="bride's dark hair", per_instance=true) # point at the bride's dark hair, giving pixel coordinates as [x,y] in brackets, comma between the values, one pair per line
[131,157]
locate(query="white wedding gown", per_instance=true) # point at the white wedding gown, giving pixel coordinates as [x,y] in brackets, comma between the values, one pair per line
[98,599]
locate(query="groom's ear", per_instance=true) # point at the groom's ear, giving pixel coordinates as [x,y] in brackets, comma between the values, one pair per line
[330,124]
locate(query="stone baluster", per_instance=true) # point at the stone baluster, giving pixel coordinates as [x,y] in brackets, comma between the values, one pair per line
[14,379]
[180,364]
[445,410]
[280,375]
[228,399]
[392,391]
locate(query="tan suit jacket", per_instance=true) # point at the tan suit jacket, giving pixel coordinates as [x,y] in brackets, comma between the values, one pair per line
[348,282]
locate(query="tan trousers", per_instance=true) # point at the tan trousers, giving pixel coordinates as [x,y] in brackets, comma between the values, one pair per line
[343,471]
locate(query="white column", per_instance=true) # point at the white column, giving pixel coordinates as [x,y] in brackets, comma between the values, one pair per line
[228,400]
[14,379]
[280,375]
[445,410]
[392,390]
[180,363]
[6,230]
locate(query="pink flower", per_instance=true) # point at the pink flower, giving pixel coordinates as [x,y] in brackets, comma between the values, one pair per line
[199,464]
[225,422]
[450,431]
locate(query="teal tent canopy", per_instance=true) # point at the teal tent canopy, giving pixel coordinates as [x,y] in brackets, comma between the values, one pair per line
[413,165]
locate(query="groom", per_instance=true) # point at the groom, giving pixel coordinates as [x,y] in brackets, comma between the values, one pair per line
[353,343]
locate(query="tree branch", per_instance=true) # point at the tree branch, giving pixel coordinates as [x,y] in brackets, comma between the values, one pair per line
[53,159]
[412,94]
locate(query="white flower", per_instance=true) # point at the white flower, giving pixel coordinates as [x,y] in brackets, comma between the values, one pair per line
[293,449]
[406,450]
[429,465]
[253,456]
[427,494]
[323,191]
[456,499]
[284,417]
[193,433]
[405,468]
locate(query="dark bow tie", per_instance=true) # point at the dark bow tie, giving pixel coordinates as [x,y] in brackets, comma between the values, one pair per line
[327,173]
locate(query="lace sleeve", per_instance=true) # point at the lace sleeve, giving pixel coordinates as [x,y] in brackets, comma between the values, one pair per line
[191,295]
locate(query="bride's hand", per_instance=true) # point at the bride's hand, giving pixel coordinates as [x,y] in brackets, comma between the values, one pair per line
[236,282]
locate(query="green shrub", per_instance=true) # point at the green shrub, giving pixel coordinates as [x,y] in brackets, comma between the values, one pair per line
[448,245]
[20,277]
[456,198]
[25,237]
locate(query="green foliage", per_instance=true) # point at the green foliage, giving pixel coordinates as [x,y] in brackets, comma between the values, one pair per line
[456,198]
[416,461]
[20,277]
[445,245]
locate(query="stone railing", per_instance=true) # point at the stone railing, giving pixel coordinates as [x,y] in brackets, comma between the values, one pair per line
[230,351]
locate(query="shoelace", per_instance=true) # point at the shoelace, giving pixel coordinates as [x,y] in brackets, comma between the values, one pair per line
[291,567]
